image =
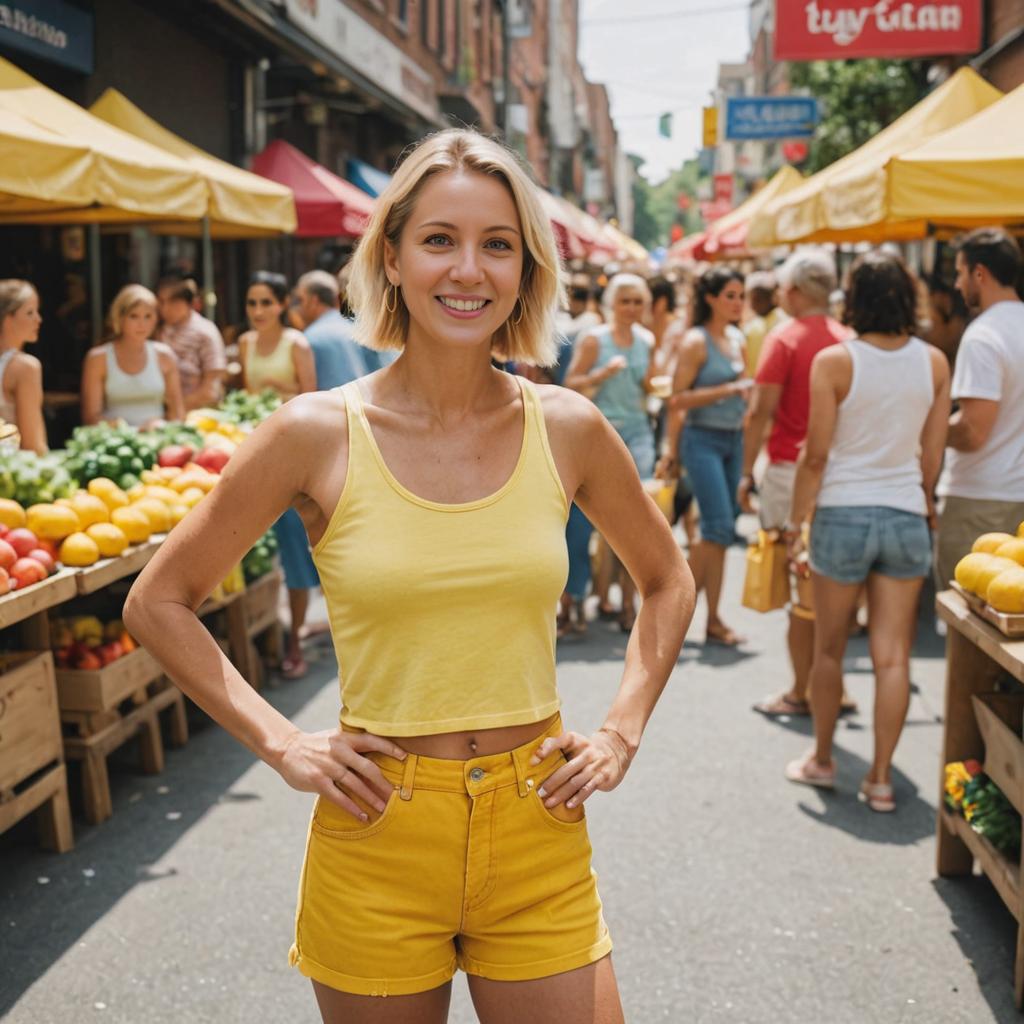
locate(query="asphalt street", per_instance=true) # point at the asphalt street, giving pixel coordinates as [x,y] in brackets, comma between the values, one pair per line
[732,895]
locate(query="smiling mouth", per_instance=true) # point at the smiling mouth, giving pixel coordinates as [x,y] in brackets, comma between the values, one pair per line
[463,305]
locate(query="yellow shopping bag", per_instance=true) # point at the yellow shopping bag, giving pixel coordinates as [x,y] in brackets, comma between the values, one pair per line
[766,586]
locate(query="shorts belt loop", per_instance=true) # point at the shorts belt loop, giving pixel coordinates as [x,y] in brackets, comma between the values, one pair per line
[408,775]
[518,759]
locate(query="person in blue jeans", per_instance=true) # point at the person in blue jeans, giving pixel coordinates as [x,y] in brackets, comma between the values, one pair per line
[611,364]
[709,393]
[865,481]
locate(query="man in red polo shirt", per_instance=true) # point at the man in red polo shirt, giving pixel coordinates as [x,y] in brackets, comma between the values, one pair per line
[779,408]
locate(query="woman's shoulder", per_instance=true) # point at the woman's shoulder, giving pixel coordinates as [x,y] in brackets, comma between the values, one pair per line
[567,411]
[23,364]
[310,417]
[99,353]
[295,337]
[163,350]
[645,335]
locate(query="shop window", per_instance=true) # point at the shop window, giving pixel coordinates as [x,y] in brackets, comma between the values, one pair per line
[400,14]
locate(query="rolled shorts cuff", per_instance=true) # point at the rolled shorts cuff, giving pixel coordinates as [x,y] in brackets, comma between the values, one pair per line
[370,986]
[540,968]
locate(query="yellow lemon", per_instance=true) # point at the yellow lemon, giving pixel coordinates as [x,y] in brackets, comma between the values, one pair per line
[990,571]
[90,509]
[178,512]
[110,539]
[156,512]
[1006,592]
[1012,549]
[968,568]
[108,492]
[1020,529]
[151,476]
[79,549]
[162,493]
[136,492]
[192,496]
[52,522]
[133,522]
[990,541]
[12,515]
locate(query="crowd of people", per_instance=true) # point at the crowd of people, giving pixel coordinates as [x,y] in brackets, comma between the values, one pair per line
[877,430]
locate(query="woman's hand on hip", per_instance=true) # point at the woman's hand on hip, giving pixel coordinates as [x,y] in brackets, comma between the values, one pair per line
[331,764]
[597,762]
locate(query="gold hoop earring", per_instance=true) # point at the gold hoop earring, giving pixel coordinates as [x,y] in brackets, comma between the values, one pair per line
[392,290]
[515,321]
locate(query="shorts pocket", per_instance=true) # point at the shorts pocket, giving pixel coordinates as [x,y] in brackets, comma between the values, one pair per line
[333,822]
[560,818]
[839,546]
[913,543]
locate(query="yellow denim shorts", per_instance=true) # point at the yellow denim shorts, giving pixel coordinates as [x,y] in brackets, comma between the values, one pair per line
[465,868]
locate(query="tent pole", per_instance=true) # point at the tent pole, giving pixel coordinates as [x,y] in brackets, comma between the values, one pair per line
[209,297]
[95,284]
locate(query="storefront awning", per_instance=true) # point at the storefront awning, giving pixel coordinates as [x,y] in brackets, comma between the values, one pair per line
[971,175]
[368,178]
[326,206]
[846,201]
[241,204]
[627,250]
[123,179]
[686,249]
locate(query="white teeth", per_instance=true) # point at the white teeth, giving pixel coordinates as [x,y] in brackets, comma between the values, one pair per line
[463,306]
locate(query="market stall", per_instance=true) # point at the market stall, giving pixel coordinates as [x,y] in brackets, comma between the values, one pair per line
[982,796]
[847,201]
[75,527]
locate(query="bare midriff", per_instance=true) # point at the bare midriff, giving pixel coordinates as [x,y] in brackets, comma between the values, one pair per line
[461,746]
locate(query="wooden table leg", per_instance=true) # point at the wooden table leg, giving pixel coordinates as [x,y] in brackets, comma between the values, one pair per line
[179,722]
[968,671]
[151,745]
[55,819]
[96,787]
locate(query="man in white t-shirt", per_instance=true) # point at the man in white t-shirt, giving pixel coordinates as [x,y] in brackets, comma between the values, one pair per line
[983,479]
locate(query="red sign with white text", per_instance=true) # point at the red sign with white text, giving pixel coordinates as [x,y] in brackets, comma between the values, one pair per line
[839,29]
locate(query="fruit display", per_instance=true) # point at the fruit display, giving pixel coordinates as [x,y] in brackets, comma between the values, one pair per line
[25,558]
[31,479]
[994,570]
[245,408]
[84,642]
[260,559]
[119,453]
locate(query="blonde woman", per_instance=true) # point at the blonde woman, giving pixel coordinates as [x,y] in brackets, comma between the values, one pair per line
[132,378]
[449,828]
[21,375]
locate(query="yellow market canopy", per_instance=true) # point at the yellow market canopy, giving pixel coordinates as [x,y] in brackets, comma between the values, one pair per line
[72,167]
[846,201]
[971,175]
[241,204]
[727,236]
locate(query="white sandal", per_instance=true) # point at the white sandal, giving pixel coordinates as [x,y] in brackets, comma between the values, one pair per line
[878,796]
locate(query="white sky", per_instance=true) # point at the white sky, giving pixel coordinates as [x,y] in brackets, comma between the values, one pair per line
[662,55]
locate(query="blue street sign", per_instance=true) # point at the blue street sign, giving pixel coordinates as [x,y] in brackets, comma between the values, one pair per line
[770,117]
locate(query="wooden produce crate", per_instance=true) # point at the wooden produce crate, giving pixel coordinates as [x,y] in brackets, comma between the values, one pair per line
[32,774]
[1007,624]
[261,625]
[109,570]
[999,717]
[102,709]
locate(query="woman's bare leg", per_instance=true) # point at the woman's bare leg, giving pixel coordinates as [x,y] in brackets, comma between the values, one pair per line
[833,605]
[423,1008]
[892,608]
[589,995]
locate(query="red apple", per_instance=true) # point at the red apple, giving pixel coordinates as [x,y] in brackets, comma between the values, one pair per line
[5,582]
[212,459]
[50,547]
[28,571]
[40,555]
[8,556]
[23,541]
[4,530]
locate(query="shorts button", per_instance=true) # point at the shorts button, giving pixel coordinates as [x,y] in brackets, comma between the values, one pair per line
[476,774]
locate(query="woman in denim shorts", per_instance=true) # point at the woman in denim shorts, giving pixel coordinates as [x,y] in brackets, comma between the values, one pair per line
[709,391]
[879,407]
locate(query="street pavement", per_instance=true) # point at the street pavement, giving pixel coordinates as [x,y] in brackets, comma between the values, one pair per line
[731,894]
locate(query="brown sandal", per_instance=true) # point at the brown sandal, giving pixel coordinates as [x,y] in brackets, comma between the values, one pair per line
[782,705]
[723,636]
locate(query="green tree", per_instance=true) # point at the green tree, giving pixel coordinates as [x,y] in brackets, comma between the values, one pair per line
[858,98]
[656,207]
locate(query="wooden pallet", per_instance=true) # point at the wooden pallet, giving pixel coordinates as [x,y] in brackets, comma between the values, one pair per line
[22,604]
[96,734]
[1007,624]
[32,775]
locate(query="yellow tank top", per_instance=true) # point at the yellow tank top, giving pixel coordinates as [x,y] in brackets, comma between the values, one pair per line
[443,616]
[276,371]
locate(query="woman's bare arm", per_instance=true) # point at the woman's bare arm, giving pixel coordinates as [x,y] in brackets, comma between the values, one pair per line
[581,376]
[28,404]
[933,435]
[305,365]
[174,403]
[94,376]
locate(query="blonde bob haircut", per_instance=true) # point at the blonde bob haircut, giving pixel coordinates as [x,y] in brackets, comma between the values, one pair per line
[621,281]
[528,336]
[130,296]
[14,293]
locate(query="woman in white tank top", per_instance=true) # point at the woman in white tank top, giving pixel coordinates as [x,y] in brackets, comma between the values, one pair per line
[879,409]
[132,378]
[21,375]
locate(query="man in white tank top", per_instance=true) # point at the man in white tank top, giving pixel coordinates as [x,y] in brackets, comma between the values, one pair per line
[983,481]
